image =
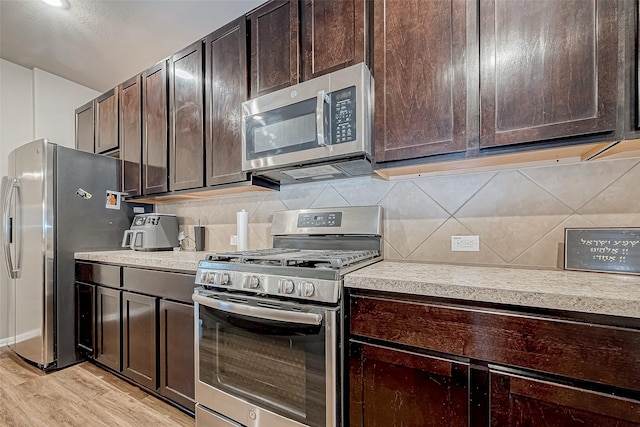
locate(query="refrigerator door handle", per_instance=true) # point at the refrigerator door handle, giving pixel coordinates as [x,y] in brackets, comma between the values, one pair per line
[6,229]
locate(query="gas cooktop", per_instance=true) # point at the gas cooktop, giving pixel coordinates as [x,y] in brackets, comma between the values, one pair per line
[313,250]
[334,259]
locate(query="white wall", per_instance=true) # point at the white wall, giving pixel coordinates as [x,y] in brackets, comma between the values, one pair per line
[55,101]
[16,128]
[16,109]
[33,104]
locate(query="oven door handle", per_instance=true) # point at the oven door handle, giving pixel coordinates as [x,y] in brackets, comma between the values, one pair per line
[260,312]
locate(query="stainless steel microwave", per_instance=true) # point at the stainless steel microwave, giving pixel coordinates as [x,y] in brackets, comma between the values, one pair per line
[317,129]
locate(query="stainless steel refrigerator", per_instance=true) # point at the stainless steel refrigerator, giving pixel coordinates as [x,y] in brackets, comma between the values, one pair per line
[54,205]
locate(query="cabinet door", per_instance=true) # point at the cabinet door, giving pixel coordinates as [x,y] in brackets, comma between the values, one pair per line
[226,89]
[420,54]
[154,129]
[548,69]
[85,319]
[139,330]
[107,122]
[274,46]
[108,326]
[334,35]
[521,401]
[130,97]
[176,353]
[85,127]
[186,147]
[393,388]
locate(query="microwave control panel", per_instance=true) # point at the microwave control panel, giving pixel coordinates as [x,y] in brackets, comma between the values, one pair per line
[343,110]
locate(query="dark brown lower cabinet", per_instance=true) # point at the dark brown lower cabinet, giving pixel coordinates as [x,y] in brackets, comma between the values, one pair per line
[139,322]
[177,353]
[394,388]
[85,319]
[520,401]
[419,361]
[108,326]
[139,331]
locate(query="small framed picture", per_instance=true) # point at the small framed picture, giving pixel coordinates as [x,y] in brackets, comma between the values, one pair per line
[113,200]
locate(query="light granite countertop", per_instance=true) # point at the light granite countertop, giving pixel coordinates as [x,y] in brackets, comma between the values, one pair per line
[165,260]
[599,293]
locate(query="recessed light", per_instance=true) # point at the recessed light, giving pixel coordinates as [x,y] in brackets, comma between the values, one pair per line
[61,4]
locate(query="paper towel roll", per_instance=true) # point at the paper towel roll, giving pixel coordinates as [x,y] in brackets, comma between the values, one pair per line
[242,225]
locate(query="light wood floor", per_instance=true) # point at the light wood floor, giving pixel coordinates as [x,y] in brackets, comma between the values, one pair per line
[81,395]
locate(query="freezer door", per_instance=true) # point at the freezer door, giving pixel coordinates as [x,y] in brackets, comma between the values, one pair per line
[32,213]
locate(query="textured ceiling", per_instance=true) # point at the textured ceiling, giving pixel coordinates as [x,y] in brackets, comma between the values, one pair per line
[101,43]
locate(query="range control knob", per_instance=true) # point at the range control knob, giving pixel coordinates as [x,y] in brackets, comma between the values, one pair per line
[219,278]
[285,286]
[251,282]
[307,289]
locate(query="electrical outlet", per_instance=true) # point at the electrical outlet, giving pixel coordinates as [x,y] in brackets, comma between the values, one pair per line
[233,240]
[465,243]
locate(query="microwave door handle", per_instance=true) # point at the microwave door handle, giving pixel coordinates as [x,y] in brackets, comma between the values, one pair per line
[259,312]
[322,99]
[7,229]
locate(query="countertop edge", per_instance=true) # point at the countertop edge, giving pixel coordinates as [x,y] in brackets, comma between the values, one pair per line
[562,298]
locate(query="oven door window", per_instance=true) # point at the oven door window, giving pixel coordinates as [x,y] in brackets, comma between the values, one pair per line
[283,130]
[276,365]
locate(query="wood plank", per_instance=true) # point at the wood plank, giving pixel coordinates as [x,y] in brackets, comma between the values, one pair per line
[77,396]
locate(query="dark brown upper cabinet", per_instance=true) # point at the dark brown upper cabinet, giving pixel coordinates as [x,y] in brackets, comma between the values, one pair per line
[226,88]
[637,66]
[85,127]
[130,97]
[107,122]
[421,55]
[186,92]
[274,46]
[155,129]
[334,35]
[548,69]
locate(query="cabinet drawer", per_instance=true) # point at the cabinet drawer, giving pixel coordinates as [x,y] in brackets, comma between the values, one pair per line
[515,398]
[599,353]
[106,275]
[163,284]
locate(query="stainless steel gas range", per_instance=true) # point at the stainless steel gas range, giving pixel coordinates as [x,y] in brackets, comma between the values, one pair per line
[268,323]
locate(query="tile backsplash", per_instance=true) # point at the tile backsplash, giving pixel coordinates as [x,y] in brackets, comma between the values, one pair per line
[520,215]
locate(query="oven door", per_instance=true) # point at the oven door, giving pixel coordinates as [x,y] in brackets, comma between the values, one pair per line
[266,364]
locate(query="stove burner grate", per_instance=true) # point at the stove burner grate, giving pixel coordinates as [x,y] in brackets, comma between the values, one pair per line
[325,259]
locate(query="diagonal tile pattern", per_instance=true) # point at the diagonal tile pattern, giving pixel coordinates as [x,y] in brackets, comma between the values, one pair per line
[576,184]
[410,217]
[520,215]
[438,247]
[451,192]
[510,213]
[549,250]
[363,191]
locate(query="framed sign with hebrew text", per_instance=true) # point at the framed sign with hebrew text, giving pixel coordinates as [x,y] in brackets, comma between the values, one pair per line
[610,250]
